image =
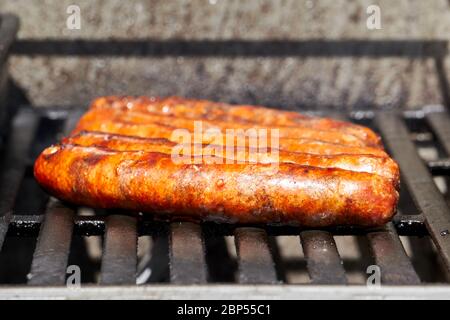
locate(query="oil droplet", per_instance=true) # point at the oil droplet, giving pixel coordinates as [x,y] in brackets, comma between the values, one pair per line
[51,150]
[444,233]
[220,183]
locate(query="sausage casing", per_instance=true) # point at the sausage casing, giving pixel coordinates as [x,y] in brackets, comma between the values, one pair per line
[238,193]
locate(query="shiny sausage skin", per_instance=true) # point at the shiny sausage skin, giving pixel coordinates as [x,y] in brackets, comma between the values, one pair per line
[291,145]
[208,110]
[326,172]
[108,121]
[383,166]
[155,130]
[239,193]
[100,115]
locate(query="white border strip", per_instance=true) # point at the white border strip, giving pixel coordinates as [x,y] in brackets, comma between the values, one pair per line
[228,292]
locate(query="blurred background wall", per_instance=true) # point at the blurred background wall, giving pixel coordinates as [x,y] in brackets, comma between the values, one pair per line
[279,53]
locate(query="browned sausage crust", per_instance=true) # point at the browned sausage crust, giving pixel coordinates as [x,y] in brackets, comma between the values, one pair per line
[323,172]
[208,110]
[156,130]
[383,166]
[244,193]
[97,117]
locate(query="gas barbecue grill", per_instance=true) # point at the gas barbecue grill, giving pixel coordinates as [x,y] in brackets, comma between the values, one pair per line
[41,237]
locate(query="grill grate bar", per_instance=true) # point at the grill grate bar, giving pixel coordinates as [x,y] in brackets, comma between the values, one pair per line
[119,258]
[256,265]
[420,183]
[323,261]
[440,167]
[9,25]
[410,225]
[13,165]
[28,225]
[439,123]
[390,256]
[50,258]
[52,249]
[187,254]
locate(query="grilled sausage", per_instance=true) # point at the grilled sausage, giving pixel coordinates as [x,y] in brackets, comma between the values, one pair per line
[244,193]
[383,166]
[153,130]
[99,115]
[136,126]
[207,110]
[323,172]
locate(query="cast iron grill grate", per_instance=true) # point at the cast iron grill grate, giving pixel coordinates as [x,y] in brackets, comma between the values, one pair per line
[193,253]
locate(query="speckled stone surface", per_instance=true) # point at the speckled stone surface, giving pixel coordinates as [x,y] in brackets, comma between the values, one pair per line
[360,80]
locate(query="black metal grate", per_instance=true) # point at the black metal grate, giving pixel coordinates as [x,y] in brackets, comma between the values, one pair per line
[190,257]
